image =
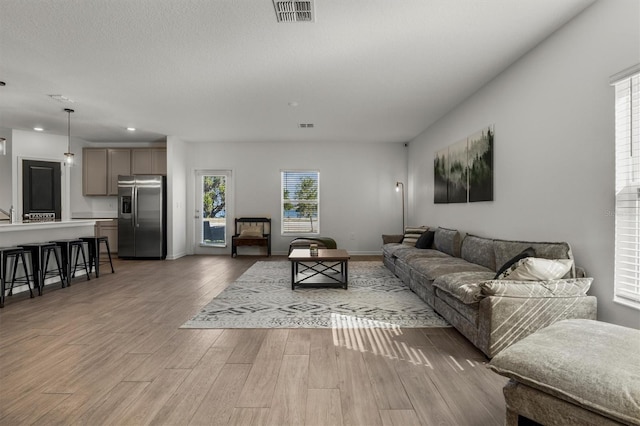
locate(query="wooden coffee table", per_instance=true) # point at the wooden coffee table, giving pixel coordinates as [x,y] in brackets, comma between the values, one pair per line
[328,268]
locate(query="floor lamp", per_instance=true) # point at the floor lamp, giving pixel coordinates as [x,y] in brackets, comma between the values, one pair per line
[400,186]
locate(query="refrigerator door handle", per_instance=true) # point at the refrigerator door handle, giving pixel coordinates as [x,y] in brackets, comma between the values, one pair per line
[135,207]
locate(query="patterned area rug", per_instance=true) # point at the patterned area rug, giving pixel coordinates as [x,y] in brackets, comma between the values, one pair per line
[262,298]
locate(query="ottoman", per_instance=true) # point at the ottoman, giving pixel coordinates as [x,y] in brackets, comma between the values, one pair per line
[573,372]
[322,242]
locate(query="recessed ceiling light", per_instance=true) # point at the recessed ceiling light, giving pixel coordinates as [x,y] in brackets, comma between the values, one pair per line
[2,83]
[38,129]
[131,129]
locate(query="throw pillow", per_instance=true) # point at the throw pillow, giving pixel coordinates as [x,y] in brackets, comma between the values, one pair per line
[411,235]
[537,269]
[426,240]
[251,232]
[528,252]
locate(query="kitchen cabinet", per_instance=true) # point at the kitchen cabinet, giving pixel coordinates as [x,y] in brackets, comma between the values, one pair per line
[109,229]
[149,161]
[94,171]
[101,167]
[119,164]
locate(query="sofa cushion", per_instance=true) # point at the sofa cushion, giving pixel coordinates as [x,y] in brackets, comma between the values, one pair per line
[569,287]
[390,248]
[447,241]
[433,268]
[411,253]
[426,240]
[411,235]
[535,269]
[528,252]
[588,363]
[478,250]
[464,286]
[505,250]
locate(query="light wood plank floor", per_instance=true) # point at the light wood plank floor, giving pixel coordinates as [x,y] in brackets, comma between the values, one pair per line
[109,351]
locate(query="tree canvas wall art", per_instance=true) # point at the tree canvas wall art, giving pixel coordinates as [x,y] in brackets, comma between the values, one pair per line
[440,177]
[463,172]
[457,162]
[481,165]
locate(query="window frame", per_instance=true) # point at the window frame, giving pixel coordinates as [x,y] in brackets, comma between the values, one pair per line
[283,221]
[626,289]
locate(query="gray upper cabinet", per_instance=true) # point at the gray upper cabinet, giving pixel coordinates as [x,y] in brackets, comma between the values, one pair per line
[149,161]
[101,167]
[94,171]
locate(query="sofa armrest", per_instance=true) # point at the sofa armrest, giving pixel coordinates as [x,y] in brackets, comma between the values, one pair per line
[568,287]
[390,238]
[505,320]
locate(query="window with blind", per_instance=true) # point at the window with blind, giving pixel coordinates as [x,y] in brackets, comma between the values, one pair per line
[300,202]
[627,213]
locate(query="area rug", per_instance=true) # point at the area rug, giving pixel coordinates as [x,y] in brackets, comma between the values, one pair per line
[262,298]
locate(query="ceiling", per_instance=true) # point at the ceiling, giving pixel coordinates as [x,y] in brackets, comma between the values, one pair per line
[227,71]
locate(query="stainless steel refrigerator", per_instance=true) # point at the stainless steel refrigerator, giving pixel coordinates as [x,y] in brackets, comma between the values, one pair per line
[142,211]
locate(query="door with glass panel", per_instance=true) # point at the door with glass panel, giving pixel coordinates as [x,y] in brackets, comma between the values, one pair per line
[212,209]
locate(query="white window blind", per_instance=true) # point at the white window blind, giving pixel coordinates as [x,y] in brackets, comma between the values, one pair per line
[300,202]
[627,214]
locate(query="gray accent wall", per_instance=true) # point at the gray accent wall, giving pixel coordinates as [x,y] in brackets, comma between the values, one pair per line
[553,112]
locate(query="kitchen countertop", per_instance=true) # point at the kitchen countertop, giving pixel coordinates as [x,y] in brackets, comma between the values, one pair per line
[31,226]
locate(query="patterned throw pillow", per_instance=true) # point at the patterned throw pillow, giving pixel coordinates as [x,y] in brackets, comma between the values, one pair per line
[411,235]
[528,252]
[537,269]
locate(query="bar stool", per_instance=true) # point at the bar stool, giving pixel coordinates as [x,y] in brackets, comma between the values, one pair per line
[17,255]
[94,253]
[68,248]
[40,255]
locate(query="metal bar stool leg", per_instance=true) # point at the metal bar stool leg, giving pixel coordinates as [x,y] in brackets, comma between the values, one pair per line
[79,246]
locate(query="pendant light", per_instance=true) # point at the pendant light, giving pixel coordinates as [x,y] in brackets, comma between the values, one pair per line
[68,156]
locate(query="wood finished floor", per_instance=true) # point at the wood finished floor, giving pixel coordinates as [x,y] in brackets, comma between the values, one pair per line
[109,351]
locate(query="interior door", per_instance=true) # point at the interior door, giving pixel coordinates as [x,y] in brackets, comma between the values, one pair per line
[41,183]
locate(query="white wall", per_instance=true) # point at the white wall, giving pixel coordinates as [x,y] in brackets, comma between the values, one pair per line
[357,198]
[176,198]
[553,148]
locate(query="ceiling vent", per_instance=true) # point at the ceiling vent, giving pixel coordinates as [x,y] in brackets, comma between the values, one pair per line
[62,98]
[294,11]
[305,125]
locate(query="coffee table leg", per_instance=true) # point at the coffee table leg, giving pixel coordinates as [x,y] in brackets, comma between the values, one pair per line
[346,273]
[293,275]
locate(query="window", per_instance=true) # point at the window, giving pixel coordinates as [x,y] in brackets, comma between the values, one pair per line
[627,213]
[212,191]
[300,202]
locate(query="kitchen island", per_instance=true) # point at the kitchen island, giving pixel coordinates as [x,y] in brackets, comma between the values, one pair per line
[13,234]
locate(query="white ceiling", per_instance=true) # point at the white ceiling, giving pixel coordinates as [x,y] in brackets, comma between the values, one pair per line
[225,70]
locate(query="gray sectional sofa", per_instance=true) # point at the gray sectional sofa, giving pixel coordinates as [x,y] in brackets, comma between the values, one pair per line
[456,275]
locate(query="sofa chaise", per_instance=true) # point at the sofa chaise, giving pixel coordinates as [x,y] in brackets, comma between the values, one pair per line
[481,287]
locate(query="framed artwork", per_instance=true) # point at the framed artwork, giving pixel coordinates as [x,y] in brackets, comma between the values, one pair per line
[457,163]
[481,165]
[463,172]
[440,177]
